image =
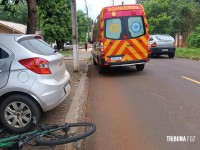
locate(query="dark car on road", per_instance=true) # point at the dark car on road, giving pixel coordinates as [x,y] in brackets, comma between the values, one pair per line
[162,44]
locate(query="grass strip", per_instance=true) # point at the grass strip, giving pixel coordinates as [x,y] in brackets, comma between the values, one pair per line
[189,53]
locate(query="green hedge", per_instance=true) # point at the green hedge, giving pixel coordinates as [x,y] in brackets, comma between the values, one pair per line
[194,38]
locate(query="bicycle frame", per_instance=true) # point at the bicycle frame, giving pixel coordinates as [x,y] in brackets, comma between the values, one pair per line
[45,136]
[11,141]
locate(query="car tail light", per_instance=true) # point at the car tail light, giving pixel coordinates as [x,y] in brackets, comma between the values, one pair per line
[37,65]
[153,44]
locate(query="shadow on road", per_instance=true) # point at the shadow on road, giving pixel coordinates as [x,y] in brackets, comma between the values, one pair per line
[121,71]
[160,57]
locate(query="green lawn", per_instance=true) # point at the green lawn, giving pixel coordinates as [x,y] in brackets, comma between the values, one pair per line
[67,53]
[189,53]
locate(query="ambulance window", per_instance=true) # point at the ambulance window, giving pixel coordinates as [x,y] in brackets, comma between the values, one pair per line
[113,28]
[136,26]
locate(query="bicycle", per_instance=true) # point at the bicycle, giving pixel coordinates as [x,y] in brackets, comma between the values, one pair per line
[48,135]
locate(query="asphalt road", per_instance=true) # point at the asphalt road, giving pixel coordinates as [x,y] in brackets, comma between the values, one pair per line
[156,109]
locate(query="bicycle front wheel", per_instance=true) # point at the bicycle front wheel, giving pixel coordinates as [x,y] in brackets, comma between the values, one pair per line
[72,133]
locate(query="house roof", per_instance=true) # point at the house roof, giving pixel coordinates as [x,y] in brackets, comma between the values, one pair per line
[14,26]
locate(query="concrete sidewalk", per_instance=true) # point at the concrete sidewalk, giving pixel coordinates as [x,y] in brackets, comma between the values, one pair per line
[73,108]
[82,55]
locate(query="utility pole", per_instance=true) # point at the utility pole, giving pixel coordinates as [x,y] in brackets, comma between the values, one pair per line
[113,2]
[74,36]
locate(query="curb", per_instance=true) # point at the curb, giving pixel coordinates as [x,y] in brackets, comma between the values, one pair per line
[77,110]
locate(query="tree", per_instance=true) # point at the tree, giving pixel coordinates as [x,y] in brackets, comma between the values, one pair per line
[172,16]
[55,21]
[16,13]
[32,16]
[185,19]
[84,26]
[157,12]
[59,29]
[32,12]
[194,38]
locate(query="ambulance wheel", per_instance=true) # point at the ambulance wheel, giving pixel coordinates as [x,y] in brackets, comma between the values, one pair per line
[140,67]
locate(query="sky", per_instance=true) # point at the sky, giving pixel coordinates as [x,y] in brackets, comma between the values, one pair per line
[95,6]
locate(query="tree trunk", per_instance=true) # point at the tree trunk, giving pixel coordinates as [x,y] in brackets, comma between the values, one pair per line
[32,17]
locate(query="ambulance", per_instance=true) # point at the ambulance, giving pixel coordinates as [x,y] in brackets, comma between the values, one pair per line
[120,37]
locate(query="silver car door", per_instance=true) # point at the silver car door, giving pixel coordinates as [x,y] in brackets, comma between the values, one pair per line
[6,58]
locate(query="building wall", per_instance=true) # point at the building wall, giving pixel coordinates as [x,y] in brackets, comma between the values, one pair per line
[7,30]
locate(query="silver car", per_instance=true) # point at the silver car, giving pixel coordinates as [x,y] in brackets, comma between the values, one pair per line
[33,79]
[162,44]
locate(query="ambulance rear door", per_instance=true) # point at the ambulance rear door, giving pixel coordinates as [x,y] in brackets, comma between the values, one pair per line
[113,39]
[136,44]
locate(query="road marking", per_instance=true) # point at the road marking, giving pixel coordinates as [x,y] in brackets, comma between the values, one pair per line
[192,80]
